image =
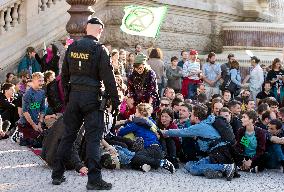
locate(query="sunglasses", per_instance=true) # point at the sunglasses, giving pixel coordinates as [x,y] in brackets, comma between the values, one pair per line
[165,105]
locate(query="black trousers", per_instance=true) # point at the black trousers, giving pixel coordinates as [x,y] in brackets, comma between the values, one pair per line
[82,106]
[151,156]
[169,147]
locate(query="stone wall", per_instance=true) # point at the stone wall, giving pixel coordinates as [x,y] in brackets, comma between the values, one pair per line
[188,24]
[26,23]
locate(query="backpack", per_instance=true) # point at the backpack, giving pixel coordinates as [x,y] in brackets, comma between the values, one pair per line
[225,130]
[229,85]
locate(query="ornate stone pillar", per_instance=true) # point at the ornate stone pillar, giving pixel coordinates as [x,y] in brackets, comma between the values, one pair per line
[80,11]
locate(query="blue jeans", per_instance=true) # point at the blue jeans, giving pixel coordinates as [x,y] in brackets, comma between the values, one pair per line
[192,91]
[273,156]
[199,167]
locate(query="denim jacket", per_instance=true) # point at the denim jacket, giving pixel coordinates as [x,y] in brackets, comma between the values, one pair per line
[204,131]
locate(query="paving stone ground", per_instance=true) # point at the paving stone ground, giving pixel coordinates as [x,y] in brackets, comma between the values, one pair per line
[22,171]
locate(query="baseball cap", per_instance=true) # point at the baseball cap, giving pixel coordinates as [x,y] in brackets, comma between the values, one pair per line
[140,59]
[193,52]
[95,20]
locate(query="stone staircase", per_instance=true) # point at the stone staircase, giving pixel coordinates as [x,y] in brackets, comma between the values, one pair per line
[26,23]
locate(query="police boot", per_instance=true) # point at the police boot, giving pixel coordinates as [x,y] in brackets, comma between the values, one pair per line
[100,185]
[58,181]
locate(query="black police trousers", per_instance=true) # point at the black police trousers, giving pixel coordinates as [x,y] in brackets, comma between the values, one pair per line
[82,107]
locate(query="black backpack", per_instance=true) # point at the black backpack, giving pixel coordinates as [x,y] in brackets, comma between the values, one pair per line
[225,130]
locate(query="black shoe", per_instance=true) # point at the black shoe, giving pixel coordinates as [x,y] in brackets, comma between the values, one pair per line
[168,165]
[57,181]
[101,185]
[236,175]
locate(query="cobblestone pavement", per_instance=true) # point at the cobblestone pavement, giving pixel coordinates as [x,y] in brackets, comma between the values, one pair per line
[21,170]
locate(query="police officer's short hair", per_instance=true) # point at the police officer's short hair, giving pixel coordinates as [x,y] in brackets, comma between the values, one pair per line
[96,20]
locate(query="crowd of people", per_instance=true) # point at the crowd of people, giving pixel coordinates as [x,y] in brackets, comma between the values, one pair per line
[199,114]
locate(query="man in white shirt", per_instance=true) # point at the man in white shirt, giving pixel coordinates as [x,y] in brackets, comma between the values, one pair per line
[256,77]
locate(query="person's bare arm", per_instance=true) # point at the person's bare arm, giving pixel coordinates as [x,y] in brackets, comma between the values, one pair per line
[246,79]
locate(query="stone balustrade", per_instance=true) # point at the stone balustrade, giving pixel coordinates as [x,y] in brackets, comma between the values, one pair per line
[11,15]
[25,23]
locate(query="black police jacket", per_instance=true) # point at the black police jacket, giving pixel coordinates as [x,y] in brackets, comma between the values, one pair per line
[86,65]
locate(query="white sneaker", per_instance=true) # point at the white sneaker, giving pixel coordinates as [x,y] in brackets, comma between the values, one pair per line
[15,138]
[146,168]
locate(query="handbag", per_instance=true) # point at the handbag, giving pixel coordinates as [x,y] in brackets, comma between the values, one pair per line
[229,85]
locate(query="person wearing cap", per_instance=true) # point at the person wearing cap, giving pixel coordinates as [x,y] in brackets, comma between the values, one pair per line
[191,73]
[256,77]
[142,83]
[86,66]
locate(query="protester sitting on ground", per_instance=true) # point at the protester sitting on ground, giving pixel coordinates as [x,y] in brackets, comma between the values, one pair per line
[152,157]
[24,76]
[55,104]
[180,96]
[4,126]
[273,105]
[265,119]
[235,108]
[262,108]
[127,108]
[50,60]
[244,96]
[169,93]
[29,63]
[266,92]
[164,103]
[186,153]
[274,155]
[30,124]
[251,141]
[9,77]
[208,139]
[8,110]
[142,129]
[175,106]
[250,105]
[226,97]
[169,145]
[223,126]
[217,104]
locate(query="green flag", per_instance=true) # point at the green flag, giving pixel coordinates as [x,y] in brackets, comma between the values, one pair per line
[143,21]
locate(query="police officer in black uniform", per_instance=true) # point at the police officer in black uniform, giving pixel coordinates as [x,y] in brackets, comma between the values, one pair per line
[86,65]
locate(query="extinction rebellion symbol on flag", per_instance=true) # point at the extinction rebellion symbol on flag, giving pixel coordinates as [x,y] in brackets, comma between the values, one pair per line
[139,19]
[143,21]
